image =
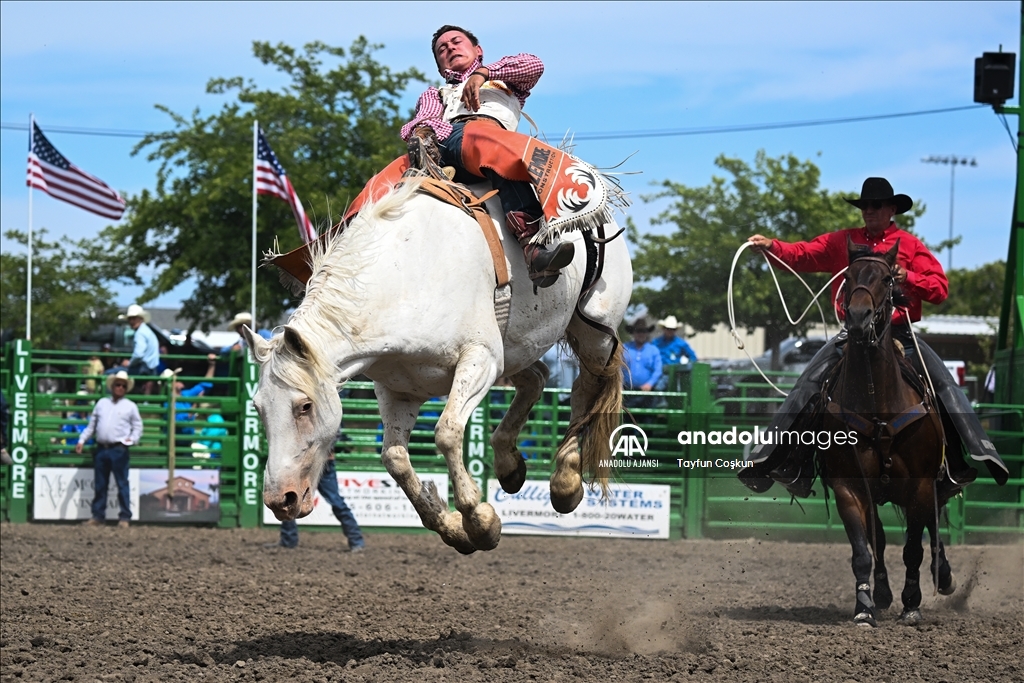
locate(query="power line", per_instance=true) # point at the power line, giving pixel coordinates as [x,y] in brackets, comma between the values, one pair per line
[606,135]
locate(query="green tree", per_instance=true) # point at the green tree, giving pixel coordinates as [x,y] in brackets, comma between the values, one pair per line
[332,128]
[977,291]
[69,296]
[685,272]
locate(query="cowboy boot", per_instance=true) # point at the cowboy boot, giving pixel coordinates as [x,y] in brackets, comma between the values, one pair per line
[543,262]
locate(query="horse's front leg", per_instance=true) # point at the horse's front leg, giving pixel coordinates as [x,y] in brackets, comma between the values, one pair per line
[399,414]
[509,466]
[883,593]
[853,509]
[474,375]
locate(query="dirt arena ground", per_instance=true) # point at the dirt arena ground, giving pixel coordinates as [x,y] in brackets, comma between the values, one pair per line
[186,604]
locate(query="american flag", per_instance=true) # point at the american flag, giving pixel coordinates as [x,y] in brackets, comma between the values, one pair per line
[271,179]
[49,171]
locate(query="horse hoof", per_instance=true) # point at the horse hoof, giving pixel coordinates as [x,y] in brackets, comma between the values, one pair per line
[883,599]
[567,504]
[948,590]
[865,619]
[910,617]
[483,526]
[512,483]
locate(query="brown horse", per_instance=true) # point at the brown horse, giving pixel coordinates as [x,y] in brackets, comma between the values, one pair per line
[898,455]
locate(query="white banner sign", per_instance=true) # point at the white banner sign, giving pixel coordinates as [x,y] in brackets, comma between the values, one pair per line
[66,493]
[632,511]
[374,498]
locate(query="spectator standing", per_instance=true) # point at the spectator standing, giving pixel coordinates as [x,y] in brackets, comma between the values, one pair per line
[643,363]
[146,353]
[674,349]
[117,425]
[328,488]
[243,318]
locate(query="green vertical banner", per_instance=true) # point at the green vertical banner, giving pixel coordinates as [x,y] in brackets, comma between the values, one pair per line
[474,448]
[250,503]
[21,469]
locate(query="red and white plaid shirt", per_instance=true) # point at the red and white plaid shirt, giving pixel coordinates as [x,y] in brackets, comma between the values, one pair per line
[520,73]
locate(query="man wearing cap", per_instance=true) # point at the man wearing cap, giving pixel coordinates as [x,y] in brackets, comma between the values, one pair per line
[146,351]
[643,363]
[673,349]
[116,424]
[921,278]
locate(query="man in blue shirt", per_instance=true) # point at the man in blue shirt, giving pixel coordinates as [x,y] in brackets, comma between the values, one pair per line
[146,352]
[643,363]
[674,349]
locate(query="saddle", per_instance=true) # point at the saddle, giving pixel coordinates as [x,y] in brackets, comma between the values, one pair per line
[880,433]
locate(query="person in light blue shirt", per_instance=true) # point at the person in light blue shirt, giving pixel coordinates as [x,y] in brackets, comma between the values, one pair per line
[146,352]
[674,349]
[643,363]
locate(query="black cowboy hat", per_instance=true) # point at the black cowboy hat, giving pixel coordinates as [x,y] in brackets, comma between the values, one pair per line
[879,190]
[640,325]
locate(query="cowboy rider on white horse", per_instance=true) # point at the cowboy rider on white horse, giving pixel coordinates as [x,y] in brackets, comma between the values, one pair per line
[469,124]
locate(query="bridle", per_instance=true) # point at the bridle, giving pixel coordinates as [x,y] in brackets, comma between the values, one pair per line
[882,316]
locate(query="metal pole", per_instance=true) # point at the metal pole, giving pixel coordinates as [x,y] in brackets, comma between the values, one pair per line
[952,184]
[255,152]
[171,438]
[28,268]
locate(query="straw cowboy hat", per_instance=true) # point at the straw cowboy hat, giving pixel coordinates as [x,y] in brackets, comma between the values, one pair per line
[243,318]
[670,323]
[135,311]
[120,374]
[879,190]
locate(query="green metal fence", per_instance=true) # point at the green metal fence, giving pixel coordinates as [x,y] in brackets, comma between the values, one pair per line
[706,501]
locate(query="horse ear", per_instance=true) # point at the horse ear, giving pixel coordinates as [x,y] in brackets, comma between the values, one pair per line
[890,256]
[850,248]
[293,340]
[259,346]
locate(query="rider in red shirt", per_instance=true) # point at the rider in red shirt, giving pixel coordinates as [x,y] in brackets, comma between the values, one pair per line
[920,276]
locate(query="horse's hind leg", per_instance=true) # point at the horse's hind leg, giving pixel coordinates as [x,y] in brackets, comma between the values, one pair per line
[942,573]
[509,466]
[853,510]
[913,553]
[596,402]
[474,375]
[882,593]
[399,414]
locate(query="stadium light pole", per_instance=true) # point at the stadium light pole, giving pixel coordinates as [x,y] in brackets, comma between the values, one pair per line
[952,161]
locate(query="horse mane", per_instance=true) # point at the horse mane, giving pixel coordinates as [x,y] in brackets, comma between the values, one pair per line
[334,289]
[859,251]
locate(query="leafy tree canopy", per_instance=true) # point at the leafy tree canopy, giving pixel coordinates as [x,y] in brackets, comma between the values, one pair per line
[69,297]
[331,128]
[974,292]
[777,197]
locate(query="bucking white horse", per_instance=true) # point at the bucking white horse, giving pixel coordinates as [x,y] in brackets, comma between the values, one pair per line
[405,296]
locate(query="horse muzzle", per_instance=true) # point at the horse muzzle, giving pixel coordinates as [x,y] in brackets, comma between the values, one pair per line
[289,502]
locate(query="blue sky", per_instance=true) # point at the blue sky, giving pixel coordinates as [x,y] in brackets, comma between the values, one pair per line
[610,67]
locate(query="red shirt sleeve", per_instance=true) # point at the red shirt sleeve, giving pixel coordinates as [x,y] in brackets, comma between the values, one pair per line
[823,254]
[926,280]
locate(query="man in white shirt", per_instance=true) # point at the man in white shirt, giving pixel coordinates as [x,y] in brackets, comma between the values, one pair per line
[116,424]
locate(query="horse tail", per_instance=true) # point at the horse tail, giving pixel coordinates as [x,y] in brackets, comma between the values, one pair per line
[595,427]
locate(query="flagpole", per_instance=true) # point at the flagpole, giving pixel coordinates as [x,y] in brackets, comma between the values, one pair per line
[28,270]
[255,152]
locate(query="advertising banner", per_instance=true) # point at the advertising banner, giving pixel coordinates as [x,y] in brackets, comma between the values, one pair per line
[374,498]
[632,511]
[66,493]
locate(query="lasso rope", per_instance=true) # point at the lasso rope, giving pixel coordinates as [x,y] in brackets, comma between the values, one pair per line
[782,298]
